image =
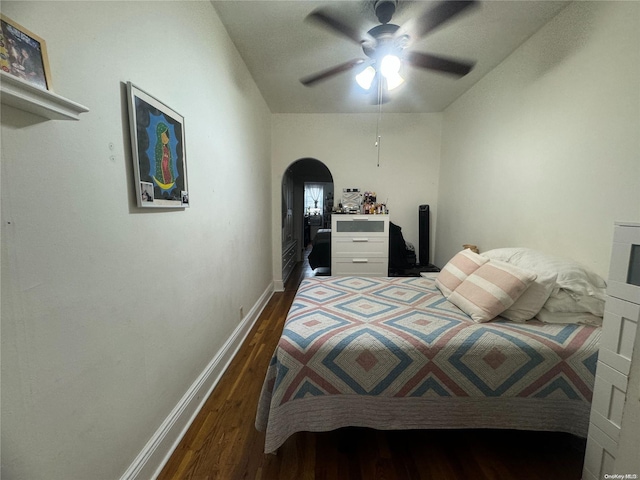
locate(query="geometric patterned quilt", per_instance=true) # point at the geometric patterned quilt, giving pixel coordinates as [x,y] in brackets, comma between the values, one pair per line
[381,341]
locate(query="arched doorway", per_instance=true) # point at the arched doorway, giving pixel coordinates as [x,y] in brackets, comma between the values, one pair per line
[307,201]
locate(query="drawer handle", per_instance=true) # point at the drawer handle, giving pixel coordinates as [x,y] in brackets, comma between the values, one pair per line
[360,260]
[360,239]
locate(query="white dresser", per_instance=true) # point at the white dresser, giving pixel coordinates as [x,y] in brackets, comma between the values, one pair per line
[360,245]
[617,344]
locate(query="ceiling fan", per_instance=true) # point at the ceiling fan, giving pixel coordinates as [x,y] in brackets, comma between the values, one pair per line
[387,45]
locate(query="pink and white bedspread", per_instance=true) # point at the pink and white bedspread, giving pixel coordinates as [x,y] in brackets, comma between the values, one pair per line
[393,353]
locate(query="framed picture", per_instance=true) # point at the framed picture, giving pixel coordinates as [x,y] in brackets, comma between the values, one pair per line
[23,54]
[159,158]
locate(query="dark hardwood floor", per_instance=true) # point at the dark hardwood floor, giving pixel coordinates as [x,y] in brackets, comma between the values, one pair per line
[223,443]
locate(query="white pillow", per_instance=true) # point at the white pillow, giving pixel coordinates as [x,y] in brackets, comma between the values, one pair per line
[462,265]
[585,318]
[532,300]
[571,275]
[569,302]
[502,254]
[490,290]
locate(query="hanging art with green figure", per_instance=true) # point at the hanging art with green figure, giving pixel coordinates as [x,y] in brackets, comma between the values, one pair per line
[163,175]
[163,151]
[158,138]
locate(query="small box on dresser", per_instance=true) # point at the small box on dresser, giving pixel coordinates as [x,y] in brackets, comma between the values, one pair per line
[617,346]
[360,245]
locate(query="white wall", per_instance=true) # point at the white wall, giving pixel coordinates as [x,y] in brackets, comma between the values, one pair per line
[544,151]
[345,143]
[109,314]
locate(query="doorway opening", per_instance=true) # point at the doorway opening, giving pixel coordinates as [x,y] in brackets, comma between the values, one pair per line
[318,204]
[307,202]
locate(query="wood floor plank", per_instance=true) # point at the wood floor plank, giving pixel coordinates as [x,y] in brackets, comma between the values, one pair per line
[223,444]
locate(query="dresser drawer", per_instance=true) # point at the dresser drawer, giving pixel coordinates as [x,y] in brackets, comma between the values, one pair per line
[360,266]
[354,225]
[360,245]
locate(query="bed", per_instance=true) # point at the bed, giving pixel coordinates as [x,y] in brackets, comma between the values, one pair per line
[395,353]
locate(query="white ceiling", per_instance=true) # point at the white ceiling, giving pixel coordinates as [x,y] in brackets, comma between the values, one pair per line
[280,47]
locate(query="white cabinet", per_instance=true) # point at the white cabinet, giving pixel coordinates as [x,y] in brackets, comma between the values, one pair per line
[360,245]
[617,345]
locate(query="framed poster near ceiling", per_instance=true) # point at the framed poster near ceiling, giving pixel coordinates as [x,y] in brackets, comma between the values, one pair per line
[23,54]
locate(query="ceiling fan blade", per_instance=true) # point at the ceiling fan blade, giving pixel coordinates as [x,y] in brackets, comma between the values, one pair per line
[325,19]
[441,13]
[441,64]
[330,72]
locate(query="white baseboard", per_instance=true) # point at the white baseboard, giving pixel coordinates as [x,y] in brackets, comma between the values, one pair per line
[278,285]
[156,453]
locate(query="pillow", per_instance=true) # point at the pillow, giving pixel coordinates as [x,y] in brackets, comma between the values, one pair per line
[532,300]
[571,275]
[490,290]
[457,269]
[585,318]
[502,254]
[569,302]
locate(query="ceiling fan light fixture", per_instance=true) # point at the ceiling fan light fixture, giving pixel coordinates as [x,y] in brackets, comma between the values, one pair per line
[387,45]
[365,77]
[390,69]
[390,65]
[394,81]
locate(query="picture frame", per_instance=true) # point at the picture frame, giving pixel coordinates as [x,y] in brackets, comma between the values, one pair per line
[158,152]
[23,54]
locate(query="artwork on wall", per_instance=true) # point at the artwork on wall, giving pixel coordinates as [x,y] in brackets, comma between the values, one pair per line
[159,158]
[23,54]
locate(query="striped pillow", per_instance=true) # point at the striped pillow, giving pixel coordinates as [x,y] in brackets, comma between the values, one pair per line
[490,290]
[457,269]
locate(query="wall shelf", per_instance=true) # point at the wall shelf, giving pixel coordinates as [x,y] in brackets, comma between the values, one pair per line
[21,94]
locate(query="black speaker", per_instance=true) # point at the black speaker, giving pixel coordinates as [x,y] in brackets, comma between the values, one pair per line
[423,235]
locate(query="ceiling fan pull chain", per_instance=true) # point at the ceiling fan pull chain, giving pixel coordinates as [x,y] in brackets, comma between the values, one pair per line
[378,137]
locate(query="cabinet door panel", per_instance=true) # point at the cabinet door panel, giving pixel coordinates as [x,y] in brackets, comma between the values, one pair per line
[600,454]
[619,333]
[608,400]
